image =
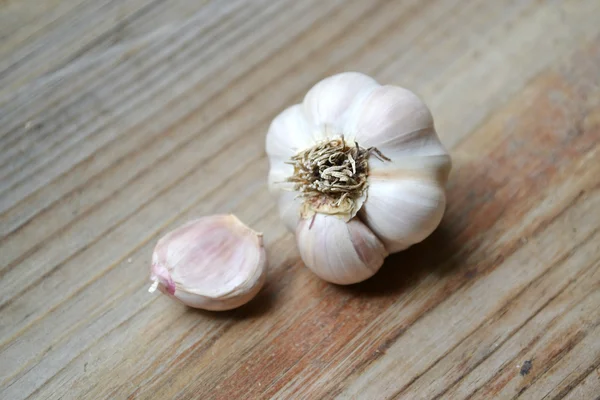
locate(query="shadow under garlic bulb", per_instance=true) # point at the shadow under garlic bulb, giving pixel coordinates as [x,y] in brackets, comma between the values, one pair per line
[358,172]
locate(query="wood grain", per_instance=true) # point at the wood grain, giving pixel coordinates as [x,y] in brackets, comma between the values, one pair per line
[120,120]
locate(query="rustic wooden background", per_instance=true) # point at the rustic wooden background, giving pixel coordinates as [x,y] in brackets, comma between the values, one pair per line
[120,120]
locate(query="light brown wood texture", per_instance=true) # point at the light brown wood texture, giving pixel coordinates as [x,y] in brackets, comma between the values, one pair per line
[120,120]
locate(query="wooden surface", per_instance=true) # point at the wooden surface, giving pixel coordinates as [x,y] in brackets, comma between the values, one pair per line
[120,120]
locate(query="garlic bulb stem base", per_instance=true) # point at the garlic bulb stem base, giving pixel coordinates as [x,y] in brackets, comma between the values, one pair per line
[331,176]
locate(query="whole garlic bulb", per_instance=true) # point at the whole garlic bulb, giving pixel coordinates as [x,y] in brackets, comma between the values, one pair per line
[214,263]
[359,172]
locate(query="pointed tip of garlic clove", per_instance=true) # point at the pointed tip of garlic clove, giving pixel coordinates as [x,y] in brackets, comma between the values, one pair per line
[338,251]
[153,287]
[161,277]
[214,263]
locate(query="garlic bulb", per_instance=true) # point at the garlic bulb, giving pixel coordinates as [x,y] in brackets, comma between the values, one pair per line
[359,172]
[213,263]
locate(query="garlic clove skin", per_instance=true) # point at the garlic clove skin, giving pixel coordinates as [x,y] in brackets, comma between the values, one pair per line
[338,251]
[290,206]
[403,211]
[397,123]
[213,263]
[406,195]
[288,134]
[328,103]
[288,201]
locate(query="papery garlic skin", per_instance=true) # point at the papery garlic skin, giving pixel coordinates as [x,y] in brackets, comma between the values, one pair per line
[404,199]
[338,251]
[213,263]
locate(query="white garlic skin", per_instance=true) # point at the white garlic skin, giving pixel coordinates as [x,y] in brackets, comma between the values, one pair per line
[326,242]
[213,263]
[405,198]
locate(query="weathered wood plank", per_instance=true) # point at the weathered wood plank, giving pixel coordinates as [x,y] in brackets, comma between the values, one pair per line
[68,36]
[587,388]
[199,147]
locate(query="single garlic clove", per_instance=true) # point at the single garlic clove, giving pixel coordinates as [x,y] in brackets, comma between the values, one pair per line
[290,206]
[289,203]
[288,134]
[213,263]
[330,101]
[403,210]
[338,251]
[396,122]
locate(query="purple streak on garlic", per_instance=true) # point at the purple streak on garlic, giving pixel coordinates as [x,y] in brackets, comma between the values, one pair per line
[359,154]
[212,263]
